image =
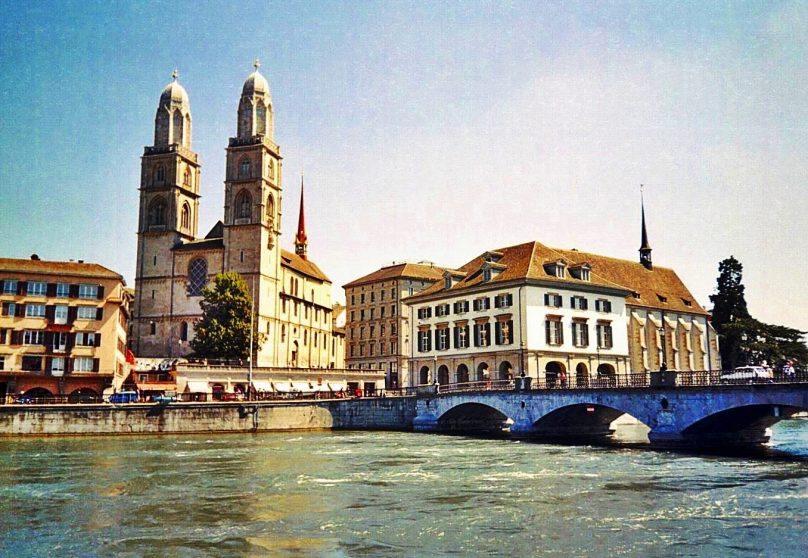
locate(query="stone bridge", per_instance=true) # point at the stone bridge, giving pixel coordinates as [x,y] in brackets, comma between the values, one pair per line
[697,416]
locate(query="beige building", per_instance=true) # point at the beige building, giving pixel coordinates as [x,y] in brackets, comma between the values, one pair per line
[377,321]
[292,295]
[62,329]
[547,312]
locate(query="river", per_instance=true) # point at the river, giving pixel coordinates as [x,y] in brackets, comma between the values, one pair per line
[339,494]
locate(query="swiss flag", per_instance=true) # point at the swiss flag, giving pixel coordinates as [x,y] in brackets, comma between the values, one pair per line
[130,356]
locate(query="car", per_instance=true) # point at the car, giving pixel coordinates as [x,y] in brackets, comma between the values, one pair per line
[164,398]
[237,396]
[748,374]
[24,400]
[124,397]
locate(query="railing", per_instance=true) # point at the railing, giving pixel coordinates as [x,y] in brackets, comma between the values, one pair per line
[642,380]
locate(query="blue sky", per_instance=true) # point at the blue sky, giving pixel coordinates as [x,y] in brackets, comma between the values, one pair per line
[431,131]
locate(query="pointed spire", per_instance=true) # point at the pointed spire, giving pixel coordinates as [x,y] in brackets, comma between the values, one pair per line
[645,247]
[301,242]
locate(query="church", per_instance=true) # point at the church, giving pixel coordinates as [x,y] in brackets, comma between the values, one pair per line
[291,294]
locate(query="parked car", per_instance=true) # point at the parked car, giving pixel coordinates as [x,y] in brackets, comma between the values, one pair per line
[164,398]
[24,400]
[237,396]
[748,374]
[124,397]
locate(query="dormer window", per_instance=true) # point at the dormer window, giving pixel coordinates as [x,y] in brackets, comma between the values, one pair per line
[662,298]
[486,274]
[686,302]
[581,272]
[556,269]
[447,282]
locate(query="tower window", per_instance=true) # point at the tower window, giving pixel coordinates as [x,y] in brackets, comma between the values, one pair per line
[243,205]
[184,331]
[272,168]
[160,173]
[186,178]
[185,216]
[157,212]
[197,276]
[152,328]
[244,168]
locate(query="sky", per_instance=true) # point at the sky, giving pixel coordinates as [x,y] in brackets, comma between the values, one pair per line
[431,131]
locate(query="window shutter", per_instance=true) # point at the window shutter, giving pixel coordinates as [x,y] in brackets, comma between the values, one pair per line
[547,331]
[47,339]
[22,287]
[560,334]
[468,343]
[498,332]
[496,301]
[100,292]
[2,285]
[68,362]
[99,313]
[546,299]
[97,339]
[488,333]
[476,335]
[96,365]
[48,364]
[51,289]
[74,291]
[71,341]
[572,302]
[585,304]
[3,336]
[456,337]
[50,310]
[16,337]
[510,299]
[510,332]
[19,310]
[72,312]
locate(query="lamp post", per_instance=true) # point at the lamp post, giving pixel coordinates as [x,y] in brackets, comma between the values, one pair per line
[744,350]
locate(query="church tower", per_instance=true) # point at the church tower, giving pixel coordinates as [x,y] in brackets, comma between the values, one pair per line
[169,207]
[645,248]
[252,203]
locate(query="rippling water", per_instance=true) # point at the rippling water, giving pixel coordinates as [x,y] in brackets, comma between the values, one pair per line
[395,494]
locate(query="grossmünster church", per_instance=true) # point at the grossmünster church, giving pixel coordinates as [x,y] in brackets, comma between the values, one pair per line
[292,296]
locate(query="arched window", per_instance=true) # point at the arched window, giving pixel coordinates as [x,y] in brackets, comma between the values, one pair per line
[272,168]
[197,276]
[244,168]
[261,119]
[178,121]
[159,173]
[243,205]
[185,216]
[184,331]
[270,209]
[157,212]
[186,177]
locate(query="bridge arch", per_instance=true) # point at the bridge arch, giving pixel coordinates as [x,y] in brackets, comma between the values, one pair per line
[473,417]
[505,371]
[462,374]
[577,420]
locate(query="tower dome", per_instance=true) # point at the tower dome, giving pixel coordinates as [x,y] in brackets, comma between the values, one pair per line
[255,107]
[172,123]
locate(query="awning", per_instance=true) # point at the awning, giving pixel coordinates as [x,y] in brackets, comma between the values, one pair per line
[337,386]
[262,385]
[156,386]
[302,387]
[282,387]
[321,387]
[197,386]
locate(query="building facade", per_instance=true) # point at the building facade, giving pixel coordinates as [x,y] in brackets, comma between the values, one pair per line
[62,329]
[556,315]
[378,321]
[292,296]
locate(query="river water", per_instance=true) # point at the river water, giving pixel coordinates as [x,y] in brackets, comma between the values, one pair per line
[335,494]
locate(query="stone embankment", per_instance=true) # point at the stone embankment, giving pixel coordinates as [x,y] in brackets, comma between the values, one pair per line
[389,413]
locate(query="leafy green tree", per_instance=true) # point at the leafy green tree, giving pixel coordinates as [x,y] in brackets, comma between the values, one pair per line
[224,329]
[731,318]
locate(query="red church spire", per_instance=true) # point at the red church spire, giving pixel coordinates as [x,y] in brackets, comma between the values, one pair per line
[301,242]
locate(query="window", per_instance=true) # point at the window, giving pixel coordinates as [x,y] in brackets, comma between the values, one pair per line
[381,330]
[86,339]
[461,337]
[160,173]
[424,313]
[442,310]
[244,168]
[197,276]
[361,333]
[59,341]
[585,275]
[185,216]
[553,300]
[372,332]
[33,337]
[10,286]
[34,310]
[393,310]
[62,290]
[372,312]
[482,304]
[32,363]
[604,333]
[88,291]
[60,314]
[381,311]
[560,269]
[37,288]
[86,312]
[353,316]
[504,332]
[362,298]
[461,306]
[580,334]
[442,339]
[184,331]
[393,293]
[2,362]
[186,178]
[243,205]
[353,300]
[283,332]
[381,294]
[602,305]
[152,328]
[482,335]
[9,309]
[486,274]
[554,335]
[578,303]
[157,213]
[372,349]
[392,328]
[361,315]
[424,341]
[57,366]
[82,364]
[447,282]
[503,300]
[271,169]
[373,297]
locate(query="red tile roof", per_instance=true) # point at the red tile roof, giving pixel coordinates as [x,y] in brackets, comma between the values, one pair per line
[400,271]
[306,267]
[43,267]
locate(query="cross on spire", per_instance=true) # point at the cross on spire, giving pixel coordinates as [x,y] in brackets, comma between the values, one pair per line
[175,74]
[256,64]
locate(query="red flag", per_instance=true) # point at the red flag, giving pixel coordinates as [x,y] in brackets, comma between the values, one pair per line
[130,356]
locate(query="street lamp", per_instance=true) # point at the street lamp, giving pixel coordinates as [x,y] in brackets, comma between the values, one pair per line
[744,350]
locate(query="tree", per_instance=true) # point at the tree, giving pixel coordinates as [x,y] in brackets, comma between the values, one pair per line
[224,329]
[730,315]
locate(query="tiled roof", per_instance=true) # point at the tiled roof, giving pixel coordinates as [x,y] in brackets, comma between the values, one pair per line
[400,271]
[306,267]
[78,269]
[659,288]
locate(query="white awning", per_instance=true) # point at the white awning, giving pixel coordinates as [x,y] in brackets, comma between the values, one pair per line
[302,387]
[197,386]
[321,387]
[262,385]
[282,387]
[337,386]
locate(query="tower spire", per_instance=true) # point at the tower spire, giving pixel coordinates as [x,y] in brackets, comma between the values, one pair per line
[301,242]
[645,247]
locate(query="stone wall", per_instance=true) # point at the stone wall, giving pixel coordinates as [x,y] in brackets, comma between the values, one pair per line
[393,413]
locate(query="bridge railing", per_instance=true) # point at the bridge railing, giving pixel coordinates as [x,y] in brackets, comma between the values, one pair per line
[640,380]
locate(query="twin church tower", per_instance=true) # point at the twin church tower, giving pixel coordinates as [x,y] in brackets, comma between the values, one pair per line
[292,295]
